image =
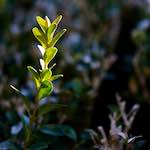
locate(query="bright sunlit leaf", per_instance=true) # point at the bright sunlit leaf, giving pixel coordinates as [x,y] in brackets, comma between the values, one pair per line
[57,37]
[57,20]
[46,74]
[50,54]
[42,23]
[40,36]
[50,32]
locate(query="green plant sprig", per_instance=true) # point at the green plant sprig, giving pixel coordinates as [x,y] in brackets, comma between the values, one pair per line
[43,77]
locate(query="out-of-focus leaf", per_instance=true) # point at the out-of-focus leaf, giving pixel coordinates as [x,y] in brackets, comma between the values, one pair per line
[7,145]
[15,129]
[53,130]
[54,77]
[25,99]
[35,76]
[39,146]
[50,32]
[40,36]
[50,54]
[57,37]
[25,123]
[49,107]
[46,74]
[45,89]
[59,130]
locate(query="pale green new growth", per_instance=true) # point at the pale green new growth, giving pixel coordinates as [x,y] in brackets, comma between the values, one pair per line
[47,39]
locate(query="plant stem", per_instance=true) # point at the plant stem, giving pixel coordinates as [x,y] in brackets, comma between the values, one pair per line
[32,122]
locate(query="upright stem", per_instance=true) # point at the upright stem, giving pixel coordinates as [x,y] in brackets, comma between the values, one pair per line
[32,122]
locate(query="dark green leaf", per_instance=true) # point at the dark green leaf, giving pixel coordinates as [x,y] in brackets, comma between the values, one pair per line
[45,89]
[49,107]
[69,132]
[53,130]
[50,54]
[35,76]
[59,130]
[57,37]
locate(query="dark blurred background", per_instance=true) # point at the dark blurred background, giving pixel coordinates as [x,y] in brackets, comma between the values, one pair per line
[106,51]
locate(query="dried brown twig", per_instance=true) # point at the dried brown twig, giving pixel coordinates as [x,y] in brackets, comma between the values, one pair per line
[118,137]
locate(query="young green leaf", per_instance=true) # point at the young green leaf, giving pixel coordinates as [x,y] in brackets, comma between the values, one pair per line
[44,109]
[45,89]
[42,23]
[57,20]
[50,54]
[52,66]
[55,77]
[57,37]
[40,36]
[46,74]
[35,76]
[50,32]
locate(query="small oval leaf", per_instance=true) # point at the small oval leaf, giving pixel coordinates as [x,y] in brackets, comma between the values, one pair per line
[35,76]
[50,32]
[46,74]
[57,20]
[50,54]
[45,89]
[40,36]
[42,23]
[57,37]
